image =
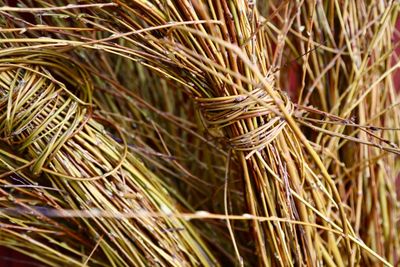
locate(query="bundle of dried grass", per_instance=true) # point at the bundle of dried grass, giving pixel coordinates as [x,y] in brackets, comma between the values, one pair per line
[304,195]
[236,95]
[47,118]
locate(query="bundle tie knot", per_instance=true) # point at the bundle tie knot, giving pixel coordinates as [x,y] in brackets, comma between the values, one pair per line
[218,113]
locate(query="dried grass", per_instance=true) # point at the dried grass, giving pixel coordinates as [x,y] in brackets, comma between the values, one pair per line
[317,167]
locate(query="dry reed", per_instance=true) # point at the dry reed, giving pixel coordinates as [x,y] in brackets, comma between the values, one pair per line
[319,181]
[47,118]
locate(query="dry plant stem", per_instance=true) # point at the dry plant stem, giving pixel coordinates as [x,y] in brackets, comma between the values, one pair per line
[231,233]
[46,115]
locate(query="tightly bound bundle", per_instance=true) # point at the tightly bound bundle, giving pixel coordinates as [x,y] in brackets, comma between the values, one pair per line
[46,116]
[219,52]
[294,163]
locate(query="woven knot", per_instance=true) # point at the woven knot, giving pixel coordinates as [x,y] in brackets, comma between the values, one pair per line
[255,109]
[43,101]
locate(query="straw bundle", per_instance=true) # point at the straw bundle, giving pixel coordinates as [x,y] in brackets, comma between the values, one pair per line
[47,116]
[237,94]
[304,195]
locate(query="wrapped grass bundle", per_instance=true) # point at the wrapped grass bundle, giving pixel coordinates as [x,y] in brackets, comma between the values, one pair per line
[227,66]
[46,115]
[306,208]
[172,147]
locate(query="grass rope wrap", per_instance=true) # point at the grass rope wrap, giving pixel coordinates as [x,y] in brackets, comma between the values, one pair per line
[33,101]
[46,116]
[221,112]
